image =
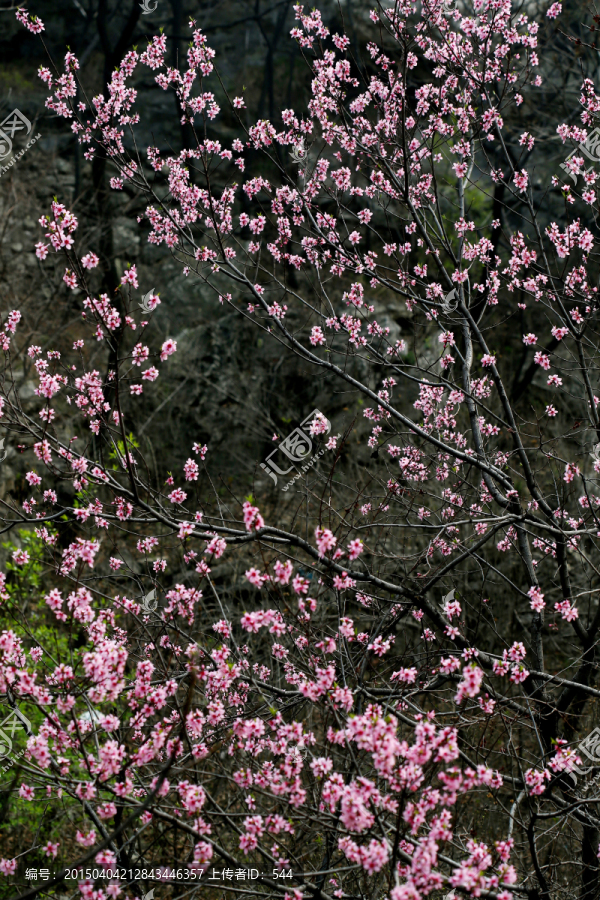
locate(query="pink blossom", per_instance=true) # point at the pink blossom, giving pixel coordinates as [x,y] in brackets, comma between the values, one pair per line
[471,683]
[537,599]
[542,359]
[216,546]
[252,517]
[283,571]
[255,577]
[534,779]
[51,849]
[355,548]
[130,277]
[380,646]
[521,180]
[191,470]
[168,348]
[35,25]
[407,676]
[326,540]
[27,792]
[343,582]
[319,425]
[347,628]
[568,612]
[296,704]
[20,557]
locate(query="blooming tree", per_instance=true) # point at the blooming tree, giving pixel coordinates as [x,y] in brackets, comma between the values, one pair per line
[349,720]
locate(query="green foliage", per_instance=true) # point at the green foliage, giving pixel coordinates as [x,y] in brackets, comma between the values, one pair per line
[25,578]
[27,610]
[117,453]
